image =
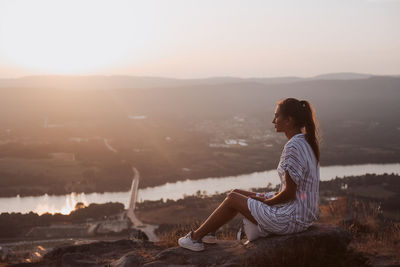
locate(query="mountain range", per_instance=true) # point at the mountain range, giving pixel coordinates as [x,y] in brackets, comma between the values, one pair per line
[143,82]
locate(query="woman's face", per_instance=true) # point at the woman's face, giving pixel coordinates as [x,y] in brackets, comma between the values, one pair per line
[279,120]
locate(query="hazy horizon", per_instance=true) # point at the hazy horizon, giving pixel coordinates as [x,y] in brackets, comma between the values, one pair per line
[197,78]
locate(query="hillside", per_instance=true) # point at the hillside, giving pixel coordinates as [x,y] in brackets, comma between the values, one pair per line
[179,132]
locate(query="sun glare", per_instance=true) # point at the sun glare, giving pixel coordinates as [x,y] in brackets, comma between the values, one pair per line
[71,37]
[69,205]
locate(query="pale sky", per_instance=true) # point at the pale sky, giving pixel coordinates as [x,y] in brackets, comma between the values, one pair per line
[197,39]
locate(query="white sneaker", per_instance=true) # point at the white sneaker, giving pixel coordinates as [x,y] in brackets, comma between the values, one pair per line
[188,243]
[210,238]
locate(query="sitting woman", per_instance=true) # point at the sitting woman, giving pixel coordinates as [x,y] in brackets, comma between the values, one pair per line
[295,206]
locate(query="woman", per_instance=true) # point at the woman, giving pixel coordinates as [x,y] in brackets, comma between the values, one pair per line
[295,206]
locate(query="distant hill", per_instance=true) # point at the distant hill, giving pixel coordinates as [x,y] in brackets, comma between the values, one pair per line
[373,98]
[342,76]
[138,82]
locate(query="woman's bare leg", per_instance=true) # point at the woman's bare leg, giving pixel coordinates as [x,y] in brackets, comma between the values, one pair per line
[233,204]
[244,192]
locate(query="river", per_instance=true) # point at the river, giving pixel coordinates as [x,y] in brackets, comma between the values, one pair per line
[66,203]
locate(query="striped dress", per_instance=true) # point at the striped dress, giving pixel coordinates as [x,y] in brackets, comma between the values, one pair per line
[296,215]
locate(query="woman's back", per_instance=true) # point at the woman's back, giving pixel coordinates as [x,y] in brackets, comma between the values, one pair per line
[299,160]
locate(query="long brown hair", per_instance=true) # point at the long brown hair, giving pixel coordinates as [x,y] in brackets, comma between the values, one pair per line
[303,115]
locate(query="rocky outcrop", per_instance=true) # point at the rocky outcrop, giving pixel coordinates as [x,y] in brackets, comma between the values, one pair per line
[321,245]
[115,253]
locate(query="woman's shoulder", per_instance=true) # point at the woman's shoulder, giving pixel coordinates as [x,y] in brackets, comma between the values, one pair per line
[297,146]
[296,141]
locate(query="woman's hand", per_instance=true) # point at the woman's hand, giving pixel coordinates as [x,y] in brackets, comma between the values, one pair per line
[287,194]
[257,198]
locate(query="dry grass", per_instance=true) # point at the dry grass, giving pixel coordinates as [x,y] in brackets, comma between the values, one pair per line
[169,238]
[374,236]
[170,235]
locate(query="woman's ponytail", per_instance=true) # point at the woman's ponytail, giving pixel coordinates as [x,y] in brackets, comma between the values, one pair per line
[304,117]
[311,127]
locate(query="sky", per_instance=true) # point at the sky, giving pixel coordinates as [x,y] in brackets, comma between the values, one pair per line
[198,39]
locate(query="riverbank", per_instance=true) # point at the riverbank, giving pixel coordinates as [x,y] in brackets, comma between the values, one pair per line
[179,190]
[118,177]
[198,207]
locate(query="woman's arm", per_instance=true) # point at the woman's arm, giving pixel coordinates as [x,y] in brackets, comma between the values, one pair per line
[287,194]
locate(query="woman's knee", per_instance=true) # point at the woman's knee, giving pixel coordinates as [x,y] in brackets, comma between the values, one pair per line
[230,197]
[238,202]
[234,198]
[234,191]
[230,193]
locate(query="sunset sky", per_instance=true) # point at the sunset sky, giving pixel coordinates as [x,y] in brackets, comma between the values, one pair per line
[196,39]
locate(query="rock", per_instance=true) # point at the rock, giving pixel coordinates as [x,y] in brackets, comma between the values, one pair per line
[320,245]
[131,259]
[159,264]
[224,252]
[120,253]
[77,259]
